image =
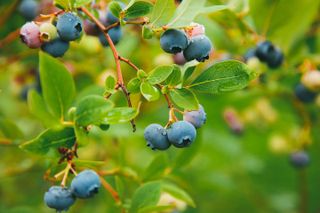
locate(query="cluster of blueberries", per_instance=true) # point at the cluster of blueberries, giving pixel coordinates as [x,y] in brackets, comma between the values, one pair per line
[107,19]
[85,185]
[52,38]
[180,134]
[268,53]
[192,46]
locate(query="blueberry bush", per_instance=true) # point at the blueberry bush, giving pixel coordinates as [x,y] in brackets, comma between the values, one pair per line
[159,106]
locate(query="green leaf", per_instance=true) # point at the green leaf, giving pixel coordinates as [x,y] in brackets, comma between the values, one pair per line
[213,9]
[110,84]
[149,92]
[159,74]
[115,8]
[49,139]
[178,193]
[38,108]
[81,3]
[9,129]
[138,9]
[134,85]
[58,88]
[63,4]
[156,168]
[162,12]
[152,209]
[146,195]
[184,98]
[91,110]
[175,77]
[186,13]
[224,76]
[188,72]
[120,115]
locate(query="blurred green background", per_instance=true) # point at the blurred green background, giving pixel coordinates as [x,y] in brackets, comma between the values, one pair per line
[224,171]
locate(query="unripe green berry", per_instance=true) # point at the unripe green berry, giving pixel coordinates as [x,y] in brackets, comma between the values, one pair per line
[48,32]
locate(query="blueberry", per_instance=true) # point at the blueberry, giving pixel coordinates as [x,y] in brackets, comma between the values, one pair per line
[111,19]
[156,137]
[251,53]
[197,118]
[268,53]
[48,32]
[199,49]
[86,184]
[181,134]
[299,159]
[304,94]
[30,35]
[59,198]
[115,35]
[69,27]
[173,41]
[29,9]
[90,28]
[56,48]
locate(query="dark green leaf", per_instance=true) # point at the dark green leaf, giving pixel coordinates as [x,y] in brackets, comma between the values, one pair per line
[187,73]
[134,85]
[58,88]
[184,98]
[51,138]
[138,9]
[224,76]
[175,77]
[159,74]
[149,92]
[92,110]
[38,108]
[146,195]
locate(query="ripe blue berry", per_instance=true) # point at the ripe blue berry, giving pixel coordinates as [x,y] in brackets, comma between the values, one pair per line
[56,48]
[173,41]
[59,198]
[299,159]
[69,27]
[86,184]
[304,94]
[268,53]
[30,35]
[156,137]
[197,118]
[199,49]
[111,19]
[115,35]
[181,134]
[29,9]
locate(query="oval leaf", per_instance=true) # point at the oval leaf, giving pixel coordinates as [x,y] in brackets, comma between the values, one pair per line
[91,110]
[224,76]
[162,12]
[120,115]
[159,74]
[149,92]
[184,98]
[138,9]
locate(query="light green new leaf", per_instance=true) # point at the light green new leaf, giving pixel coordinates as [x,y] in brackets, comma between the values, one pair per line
[149,92]
[178,193]
[175,77]
[110,84]
[184,98]
[134,85]
[120,115]
[92,110]
[58,87]
[138,9]
[51,138]
[146,195]
[224,76]
[38,108]
[81,3]
[159,74]
[115,8]
[213,9]
[9,129]
[186,13]
[162,12]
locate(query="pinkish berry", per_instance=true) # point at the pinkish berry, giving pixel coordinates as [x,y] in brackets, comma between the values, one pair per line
[179,59]
[30,35]
[197,29]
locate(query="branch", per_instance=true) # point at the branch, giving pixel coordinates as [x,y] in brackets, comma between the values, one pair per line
[109,188]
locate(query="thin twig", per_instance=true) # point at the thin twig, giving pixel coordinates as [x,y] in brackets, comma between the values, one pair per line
[128,62]
[109,188]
